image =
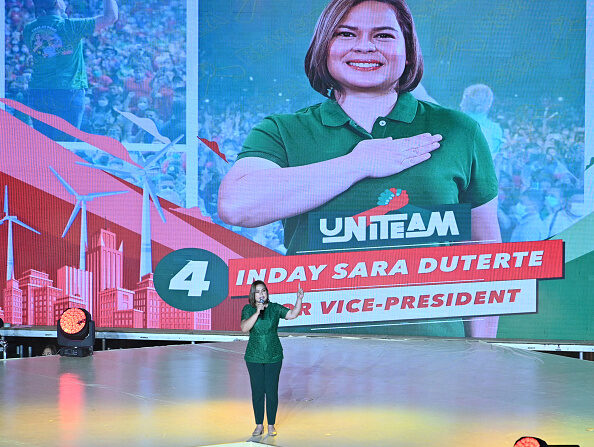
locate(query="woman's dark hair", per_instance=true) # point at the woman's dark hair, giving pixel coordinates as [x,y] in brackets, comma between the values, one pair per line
[316,59]
[253,291]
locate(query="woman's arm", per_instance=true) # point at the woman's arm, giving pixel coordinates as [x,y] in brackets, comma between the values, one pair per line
[247,325]
[109,17]
[294,313]
[257,192]
[484,227]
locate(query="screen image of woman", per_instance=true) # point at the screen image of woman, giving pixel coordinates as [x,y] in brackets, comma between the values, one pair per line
[264,352]
[369,135]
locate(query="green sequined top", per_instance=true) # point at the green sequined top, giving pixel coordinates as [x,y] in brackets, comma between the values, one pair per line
[264,345]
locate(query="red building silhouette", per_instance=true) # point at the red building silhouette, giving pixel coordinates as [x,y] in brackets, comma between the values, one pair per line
[76,282]
[158,314]
[172,318]
[64,302]
[43,304]
[202,320]
[110,301]
[32,299]
[104,261]
[28,282]
[44,299]
[131,318]
[148,301]
[13,302]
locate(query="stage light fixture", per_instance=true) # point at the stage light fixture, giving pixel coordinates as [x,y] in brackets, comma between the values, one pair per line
[530,441]
[76,333]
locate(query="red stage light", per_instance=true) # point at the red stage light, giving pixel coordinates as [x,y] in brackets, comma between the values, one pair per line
[528,441]
[73,321]
[76,333]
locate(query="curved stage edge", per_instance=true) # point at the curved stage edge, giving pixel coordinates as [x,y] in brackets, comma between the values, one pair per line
[333,392]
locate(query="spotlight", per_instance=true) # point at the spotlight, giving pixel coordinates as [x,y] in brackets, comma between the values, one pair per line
[530,441]
[76,333]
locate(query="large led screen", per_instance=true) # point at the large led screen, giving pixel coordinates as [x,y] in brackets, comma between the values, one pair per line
[419,169]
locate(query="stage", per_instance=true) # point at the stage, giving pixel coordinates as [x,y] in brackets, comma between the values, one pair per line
[334,391]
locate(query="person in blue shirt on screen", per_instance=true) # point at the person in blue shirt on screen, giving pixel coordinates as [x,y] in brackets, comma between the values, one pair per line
[530,226]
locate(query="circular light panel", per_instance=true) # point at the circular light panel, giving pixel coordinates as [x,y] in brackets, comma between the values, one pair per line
[528,441]
[73,321]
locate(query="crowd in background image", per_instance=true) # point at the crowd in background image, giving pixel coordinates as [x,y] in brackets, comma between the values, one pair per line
[228,125]
[138,65]
[540,166]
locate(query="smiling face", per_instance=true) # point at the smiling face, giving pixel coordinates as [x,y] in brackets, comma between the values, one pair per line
[367,52]
[261,293]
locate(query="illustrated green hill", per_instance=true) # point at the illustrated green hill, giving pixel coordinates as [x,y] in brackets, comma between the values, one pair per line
[565,306]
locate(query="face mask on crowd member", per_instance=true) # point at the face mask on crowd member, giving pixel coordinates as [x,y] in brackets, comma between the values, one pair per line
[531,202]
[552,201]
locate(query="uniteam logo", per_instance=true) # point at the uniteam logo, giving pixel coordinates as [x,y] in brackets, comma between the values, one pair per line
[375,224]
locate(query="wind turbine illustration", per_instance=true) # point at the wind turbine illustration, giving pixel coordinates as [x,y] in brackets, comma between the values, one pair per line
[81,204]
[148,192]
[9,249]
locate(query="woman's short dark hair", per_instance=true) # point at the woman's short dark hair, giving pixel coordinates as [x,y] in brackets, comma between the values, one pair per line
[253,291]
[316,59]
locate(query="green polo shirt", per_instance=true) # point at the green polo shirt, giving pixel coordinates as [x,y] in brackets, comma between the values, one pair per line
[264,345]
[460,171]
[57,49]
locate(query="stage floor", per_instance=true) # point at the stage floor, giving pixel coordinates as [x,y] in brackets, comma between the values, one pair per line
[333,392]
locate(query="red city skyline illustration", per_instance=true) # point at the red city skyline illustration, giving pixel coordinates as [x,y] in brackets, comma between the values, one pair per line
[32,299]
[48,264]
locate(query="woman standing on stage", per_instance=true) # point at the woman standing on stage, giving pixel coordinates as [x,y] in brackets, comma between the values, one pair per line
[369,136]
[264,353]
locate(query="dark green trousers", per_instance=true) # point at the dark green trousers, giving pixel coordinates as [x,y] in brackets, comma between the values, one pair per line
[264,381]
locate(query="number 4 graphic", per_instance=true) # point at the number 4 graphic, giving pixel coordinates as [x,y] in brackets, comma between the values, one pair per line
[196,284]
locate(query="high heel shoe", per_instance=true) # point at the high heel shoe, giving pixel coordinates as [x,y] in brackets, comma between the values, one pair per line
[258,431]
[271,432]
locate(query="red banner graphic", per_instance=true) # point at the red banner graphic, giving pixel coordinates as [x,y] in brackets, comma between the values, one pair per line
[413,266]
[106,144]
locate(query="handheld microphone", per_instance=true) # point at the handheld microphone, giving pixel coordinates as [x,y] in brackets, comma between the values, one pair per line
[262,301]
